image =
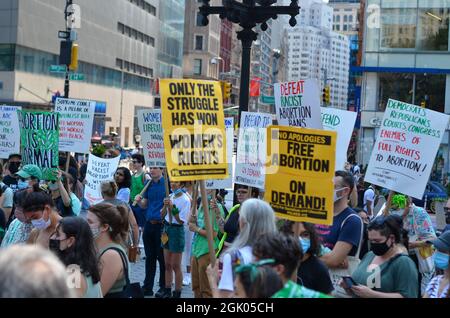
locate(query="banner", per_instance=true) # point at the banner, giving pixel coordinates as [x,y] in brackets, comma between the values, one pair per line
[194,129]
[300,172]
[150,127]
[251,150]
[39,138]
[9,131]
[297,103]
[342,122]
[75,124]
[228,182]
[98,170]
[406,147]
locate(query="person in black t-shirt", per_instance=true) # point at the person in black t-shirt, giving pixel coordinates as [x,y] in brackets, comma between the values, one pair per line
[312,273]
[13,165]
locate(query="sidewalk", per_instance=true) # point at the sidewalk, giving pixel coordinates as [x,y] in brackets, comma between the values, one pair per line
[137,274]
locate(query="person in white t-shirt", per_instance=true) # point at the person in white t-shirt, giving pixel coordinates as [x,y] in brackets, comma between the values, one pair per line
[256,218]
[173,238]
[369,201]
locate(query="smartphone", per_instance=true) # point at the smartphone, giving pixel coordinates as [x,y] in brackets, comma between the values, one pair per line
[349,282]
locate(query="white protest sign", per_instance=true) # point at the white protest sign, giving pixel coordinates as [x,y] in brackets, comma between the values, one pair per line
[98,170]
[75,124]
[298,103]
[150,127]
[342,122]
[406,148]
[251,152]
[226,183]
[9,131]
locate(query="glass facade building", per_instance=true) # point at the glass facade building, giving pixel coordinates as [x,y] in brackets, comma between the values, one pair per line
[406,57]
[170,46]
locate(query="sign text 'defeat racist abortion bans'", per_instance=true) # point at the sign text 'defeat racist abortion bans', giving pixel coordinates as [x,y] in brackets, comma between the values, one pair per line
[298,103]
[405,149]
[39,134]
[194,129]
[299,175]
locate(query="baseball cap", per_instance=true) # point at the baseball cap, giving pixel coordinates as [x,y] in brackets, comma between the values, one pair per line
[28,171]
[442,243]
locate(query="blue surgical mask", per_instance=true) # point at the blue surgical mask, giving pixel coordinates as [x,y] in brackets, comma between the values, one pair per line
[21,185]
[441,260]
[41,224]
[305,243]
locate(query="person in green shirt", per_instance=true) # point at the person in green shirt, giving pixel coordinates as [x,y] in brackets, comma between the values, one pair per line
[385,272]
[285,250]
[200,250]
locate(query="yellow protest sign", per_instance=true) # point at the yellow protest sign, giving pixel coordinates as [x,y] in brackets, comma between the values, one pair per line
[194,129]
[300,172]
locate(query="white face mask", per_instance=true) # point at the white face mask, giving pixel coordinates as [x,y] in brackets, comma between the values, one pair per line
[53,186]
[336,198]
[95,232]
[398,212]
[41,224]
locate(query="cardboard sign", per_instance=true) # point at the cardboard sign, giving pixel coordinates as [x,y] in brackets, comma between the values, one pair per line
[298,103]
[9,131]
[194,129]
[406,147]
[75,124]
[342,122]
[98,170]
[251,151]
[150,127]
[300,172]
[228,182]
[39,136]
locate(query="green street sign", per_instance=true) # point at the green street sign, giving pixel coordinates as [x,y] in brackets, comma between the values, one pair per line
[58,68]
[76,77]
[267,99]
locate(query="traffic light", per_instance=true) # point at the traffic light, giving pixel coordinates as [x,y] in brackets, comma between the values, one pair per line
[74,58]
[65,53]
[326,95]
[226,89]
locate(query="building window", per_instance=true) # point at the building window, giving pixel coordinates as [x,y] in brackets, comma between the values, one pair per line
[198,42]
[7,53]
[345,27]
[392,20]
[350,18]
[199,20]
[338,18]
[345,18]
[197,67]
[433,29]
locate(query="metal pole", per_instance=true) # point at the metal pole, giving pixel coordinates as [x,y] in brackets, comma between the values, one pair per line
[67,81]
[121,106]
[245,75]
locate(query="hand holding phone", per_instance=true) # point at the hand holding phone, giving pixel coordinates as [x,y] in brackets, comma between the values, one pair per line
[349,282]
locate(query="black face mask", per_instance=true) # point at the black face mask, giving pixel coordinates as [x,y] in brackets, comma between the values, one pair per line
[54,245]
[447,218]
[13,167]
[379,249]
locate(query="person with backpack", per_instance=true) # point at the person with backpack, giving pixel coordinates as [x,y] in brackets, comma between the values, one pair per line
[385,272]
[344,236]
[109,226]
[256,218]
[138,181]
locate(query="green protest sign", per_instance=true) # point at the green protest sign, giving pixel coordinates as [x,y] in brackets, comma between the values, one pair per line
[39,137]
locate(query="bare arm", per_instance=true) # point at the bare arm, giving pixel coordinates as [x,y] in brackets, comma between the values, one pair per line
[134,227]
[338,256]
[354,197]
[112,270]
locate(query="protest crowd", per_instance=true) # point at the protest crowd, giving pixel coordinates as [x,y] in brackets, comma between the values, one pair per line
[72,228]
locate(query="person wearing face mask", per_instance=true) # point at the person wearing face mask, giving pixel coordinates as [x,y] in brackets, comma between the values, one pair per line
[73,243]
[385,272]
[39,209]
[439,286]
[29,177]
[109,226]
[66,202]
[6,198]
[20,228]
[13,165]
[344,237]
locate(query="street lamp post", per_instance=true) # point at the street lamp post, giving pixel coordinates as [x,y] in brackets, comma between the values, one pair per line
[248,14]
